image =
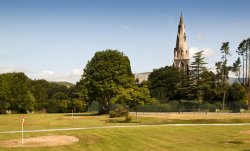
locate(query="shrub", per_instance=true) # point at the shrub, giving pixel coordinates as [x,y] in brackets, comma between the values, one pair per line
[120,111]
[128,118]
[113,114]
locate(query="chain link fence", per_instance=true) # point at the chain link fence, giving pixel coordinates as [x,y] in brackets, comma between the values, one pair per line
[185,106]
[182,106]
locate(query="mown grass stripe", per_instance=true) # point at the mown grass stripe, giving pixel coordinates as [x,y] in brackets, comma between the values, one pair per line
[130,126]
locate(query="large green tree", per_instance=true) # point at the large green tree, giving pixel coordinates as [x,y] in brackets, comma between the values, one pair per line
[198,66]
[4,94]
[45,94]
[200,77]
[14,93]
[222,70]
[133,97]
[39,89]
[163,83]
[104,74]
[78,97]
[236,68]
[237,96]
[244,51]
[207,84]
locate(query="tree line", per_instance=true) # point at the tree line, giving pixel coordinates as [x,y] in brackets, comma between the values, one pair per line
[203,88]
[108,80]
[19,94]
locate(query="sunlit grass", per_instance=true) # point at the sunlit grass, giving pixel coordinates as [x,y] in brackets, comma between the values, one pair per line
[194,138]
[186,138]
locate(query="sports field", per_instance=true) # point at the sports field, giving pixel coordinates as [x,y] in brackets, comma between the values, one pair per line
[104,133]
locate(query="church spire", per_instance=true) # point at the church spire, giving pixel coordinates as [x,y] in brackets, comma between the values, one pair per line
[181,19]
[181,52]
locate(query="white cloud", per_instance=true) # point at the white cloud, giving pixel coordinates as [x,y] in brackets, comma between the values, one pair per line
[77,72]
[49,75]
[7,69]
[75,75]
[208,52]
[46,73]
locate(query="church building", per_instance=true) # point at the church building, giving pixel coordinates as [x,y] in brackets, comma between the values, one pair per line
[181,52]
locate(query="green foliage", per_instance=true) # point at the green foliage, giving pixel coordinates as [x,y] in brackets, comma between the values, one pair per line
[50,95]
[207,85]
[39,89]
[225,50]
[64,106]
[243,51]
[128,118]
[201,81]
[29,101]
[187,89]
[119,111]
[14,92]
[63,103]
[20,94]
[163,83]
[78,105]
[104,74]
[197,67]
[78,97]
[59,96]
[113,114]
[237,95]
[222,71]
[133,97]
[236,68]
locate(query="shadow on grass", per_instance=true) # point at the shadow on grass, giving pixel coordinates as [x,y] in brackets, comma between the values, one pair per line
[152,121]
[82,114]
[236,142]
[120,121]
[204,121]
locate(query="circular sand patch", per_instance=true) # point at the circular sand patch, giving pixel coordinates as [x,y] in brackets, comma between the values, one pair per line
[42,141]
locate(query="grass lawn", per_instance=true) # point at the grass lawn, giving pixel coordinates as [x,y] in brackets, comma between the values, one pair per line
[184,138]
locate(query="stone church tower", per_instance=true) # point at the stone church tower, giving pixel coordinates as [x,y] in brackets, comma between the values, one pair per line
[181,52]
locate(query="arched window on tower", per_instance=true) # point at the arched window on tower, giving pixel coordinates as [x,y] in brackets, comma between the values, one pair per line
[182,66]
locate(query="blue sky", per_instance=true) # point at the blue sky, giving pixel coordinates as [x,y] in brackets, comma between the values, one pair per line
[54,39]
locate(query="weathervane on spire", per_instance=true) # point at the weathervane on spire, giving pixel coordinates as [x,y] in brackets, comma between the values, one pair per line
[181,11]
